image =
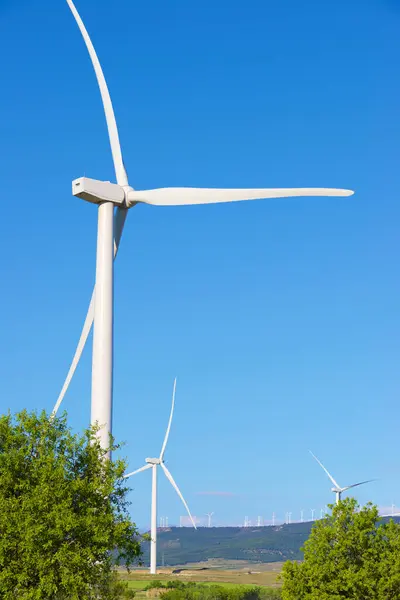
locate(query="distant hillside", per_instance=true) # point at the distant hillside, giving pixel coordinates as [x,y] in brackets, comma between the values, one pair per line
[182,545]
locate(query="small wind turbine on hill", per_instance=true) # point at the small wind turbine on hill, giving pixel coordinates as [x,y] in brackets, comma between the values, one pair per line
[153,463]
[209,516]
[337,489]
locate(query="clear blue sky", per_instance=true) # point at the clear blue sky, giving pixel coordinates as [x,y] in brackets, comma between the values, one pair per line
[280,318]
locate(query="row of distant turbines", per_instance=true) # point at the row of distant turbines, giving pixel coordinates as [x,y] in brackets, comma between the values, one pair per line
[114,201]
[164,521]
[303,516]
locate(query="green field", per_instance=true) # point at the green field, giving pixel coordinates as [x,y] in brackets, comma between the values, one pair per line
[229,574]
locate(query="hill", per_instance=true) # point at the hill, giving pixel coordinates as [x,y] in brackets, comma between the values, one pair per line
[182,545]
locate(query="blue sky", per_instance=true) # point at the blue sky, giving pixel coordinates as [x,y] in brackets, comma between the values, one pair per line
[280,318]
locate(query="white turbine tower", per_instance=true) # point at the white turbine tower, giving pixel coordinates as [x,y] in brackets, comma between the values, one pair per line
[123,197]
[337,489]
[153,463]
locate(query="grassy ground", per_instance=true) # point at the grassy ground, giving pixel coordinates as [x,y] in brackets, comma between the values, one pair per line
[224,573]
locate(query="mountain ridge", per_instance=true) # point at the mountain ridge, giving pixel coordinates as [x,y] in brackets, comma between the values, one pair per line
[184,545]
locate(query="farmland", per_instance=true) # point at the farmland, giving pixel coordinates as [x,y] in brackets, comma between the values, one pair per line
[228,574]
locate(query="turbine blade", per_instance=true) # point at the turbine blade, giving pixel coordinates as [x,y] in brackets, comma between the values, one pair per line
[348,487]
[172,482]
[77,356]
[169,423]
[120,172]
[335,483]
[187,196]
[137,471]
[119,222]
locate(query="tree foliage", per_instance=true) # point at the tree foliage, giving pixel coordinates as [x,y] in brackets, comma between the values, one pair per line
[349,554]
[63,512]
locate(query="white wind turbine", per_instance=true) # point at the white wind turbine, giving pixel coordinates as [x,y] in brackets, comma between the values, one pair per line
[122,197]
[209,518]
[153,463]
[337,489]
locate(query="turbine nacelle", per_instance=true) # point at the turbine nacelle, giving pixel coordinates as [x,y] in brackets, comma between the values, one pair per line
[96,192]
[153,461]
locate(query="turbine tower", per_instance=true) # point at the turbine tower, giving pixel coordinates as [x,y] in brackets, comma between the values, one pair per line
[337,490]
[122,197]
[153,463]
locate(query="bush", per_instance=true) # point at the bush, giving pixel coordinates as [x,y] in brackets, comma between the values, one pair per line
[215,592]
[156,584]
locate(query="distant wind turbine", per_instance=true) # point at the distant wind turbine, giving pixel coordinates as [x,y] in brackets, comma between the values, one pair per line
[153,463]
[337,489]
[209,515]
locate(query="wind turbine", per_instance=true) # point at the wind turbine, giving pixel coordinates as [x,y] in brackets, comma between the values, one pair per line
[209,515]
[337,489]
[122,197]
[153,463]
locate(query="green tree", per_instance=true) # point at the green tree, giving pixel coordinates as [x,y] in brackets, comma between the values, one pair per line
[63,512]
[350,554]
